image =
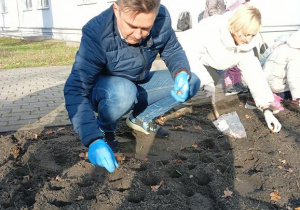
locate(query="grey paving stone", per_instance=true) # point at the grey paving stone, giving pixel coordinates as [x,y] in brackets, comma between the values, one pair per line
[9,117]
[21,122]
[5,123]
[9,128]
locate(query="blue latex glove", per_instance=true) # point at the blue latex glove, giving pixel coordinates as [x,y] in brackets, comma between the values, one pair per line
[101,154]
[181,87]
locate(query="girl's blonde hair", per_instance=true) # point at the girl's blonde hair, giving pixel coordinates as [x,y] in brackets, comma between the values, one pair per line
[246,18]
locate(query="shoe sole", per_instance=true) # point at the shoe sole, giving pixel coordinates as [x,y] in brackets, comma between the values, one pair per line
[275,111]
[135,127]
[187,103]
[247,106]
[230,94]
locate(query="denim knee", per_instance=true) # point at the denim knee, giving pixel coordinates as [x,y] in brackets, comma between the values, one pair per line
[113,95]
[122,94]
[125,96]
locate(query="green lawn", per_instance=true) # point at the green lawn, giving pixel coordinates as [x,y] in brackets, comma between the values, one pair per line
[17,53]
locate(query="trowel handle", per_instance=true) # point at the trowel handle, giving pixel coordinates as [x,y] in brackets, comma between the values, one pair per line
[216,113]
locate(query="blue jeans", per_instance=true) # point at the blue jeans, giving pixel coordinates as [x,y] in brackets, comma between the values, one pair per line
[113,97]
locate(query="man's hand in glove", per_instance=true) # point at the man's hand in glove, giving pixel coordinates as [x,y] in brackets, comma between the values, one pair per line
[273,124]
[101,154]
[210,91]
[181,87]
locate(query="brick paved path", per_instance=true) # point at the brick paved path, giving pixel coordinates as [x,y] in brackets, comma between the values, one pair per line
[32,98]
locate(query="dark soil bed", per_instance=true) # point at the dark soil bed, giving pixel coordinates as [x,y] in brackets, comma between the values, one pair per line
[195,168]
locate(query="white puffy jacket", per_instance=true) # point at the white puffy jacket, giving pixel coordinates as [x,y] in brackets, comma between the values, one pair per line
[282,67]
[210,43]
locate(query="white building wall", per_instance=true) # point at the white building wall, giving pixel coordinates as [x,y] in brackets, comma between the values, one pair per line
[9,19]
[65,18]
[62,20]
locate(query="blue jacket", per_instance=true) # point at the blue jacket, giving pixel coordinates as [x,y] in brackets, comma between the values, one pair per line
[102,51]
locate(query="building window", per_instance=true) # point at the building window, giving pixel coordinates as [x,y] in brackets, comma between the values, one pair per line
[3,7]
[82,2]
[43,4]
[28,4]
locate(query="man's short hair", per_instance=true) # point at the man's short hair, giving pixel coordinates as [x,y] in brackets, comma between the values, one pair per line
[139,6]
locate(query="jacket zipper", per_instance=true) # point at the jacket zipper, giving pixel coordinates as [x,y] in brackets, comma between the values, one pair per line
[142,76]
